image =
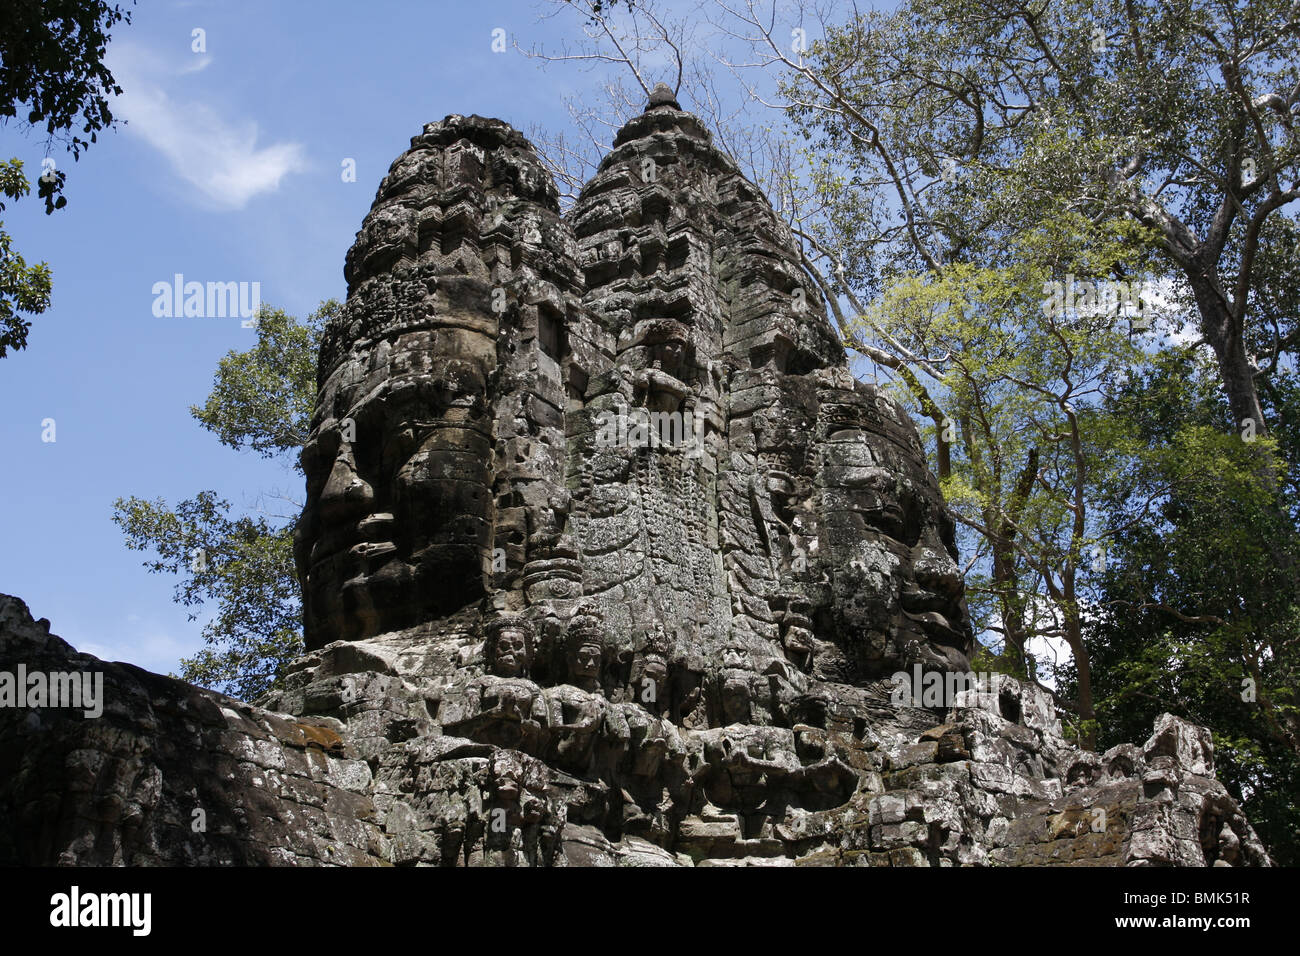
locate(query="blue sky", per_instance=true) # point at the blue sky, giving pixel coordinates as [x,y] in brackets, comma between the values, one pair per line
[227,169]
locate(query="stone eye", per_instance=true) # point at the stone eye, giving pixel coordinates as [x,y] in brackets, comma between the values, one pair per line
[405,442]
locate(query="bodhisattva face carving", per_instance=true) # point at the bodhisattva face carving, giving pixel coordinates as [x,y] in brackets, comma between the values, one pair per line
[887,534]
[584,662]
[398,476]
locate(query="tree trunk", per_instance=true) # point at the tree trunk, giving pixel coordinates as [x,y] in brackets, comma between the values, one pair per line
[1082,663]
[1013,626]
[1236,373]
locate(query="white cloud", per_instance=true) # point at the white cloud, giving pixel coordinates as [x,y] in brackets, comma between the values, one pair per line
[196,64]
[218,156]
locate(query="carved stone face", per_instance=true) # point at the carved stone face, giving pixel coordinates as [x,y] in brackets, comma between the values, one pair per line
[511,652]
[889,550]
[585,658]
[670,356]
[932,597]
[396,524]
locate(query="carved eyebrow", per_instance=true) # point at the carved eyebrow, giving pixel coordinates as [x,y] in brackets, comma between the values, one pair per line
[390,401]
[420,429]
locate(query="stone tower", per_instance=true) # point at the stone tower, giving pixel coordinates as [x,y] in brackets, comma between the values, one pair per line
[641,405]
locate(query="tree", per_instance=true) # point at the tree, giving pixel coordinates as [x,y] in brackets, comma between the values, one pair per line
[972,115]
[261,400]
[243,564]
[1023,373]
[52,75]
[644,44]
[23,288]
[1197,612]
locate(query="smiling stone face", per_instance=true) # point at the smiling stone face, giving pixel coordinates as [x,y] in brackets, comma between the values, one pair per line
[398,479]
[402,462]
[889,541]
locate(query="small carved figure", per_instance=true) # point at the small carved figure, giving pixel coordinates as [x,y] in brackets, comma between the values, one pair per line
[508,645]
[586,649]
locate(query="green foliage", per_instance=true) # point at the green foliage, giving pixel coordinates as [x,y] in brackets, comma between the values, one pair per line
[261,400]
[23,288]
[52,70]
[244,565]
[1198,611]
[948,127]
[52,75]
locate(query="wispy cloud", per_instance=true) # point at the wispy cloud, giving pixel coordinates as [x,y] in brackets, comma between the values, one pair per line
[217,155]
[195,64]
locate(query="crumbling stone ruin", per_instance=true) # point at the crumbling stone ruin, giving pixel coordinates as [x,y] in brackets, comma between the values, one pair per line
[607,559]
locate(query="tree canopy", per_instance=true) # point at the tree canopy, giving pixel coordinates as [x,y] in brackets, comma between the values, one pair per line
[261,400]
[52,78]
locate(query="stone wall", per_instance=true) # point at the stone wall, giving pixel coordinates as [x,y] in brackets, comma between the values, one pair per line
[370,778]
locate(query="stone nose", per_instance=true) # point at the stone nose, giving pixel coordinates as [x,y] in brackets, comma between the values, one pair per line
[346,495]
[936,570]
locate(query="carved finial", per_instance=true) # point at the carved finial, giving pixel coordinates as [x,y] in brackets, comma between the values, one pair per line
[663,95]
